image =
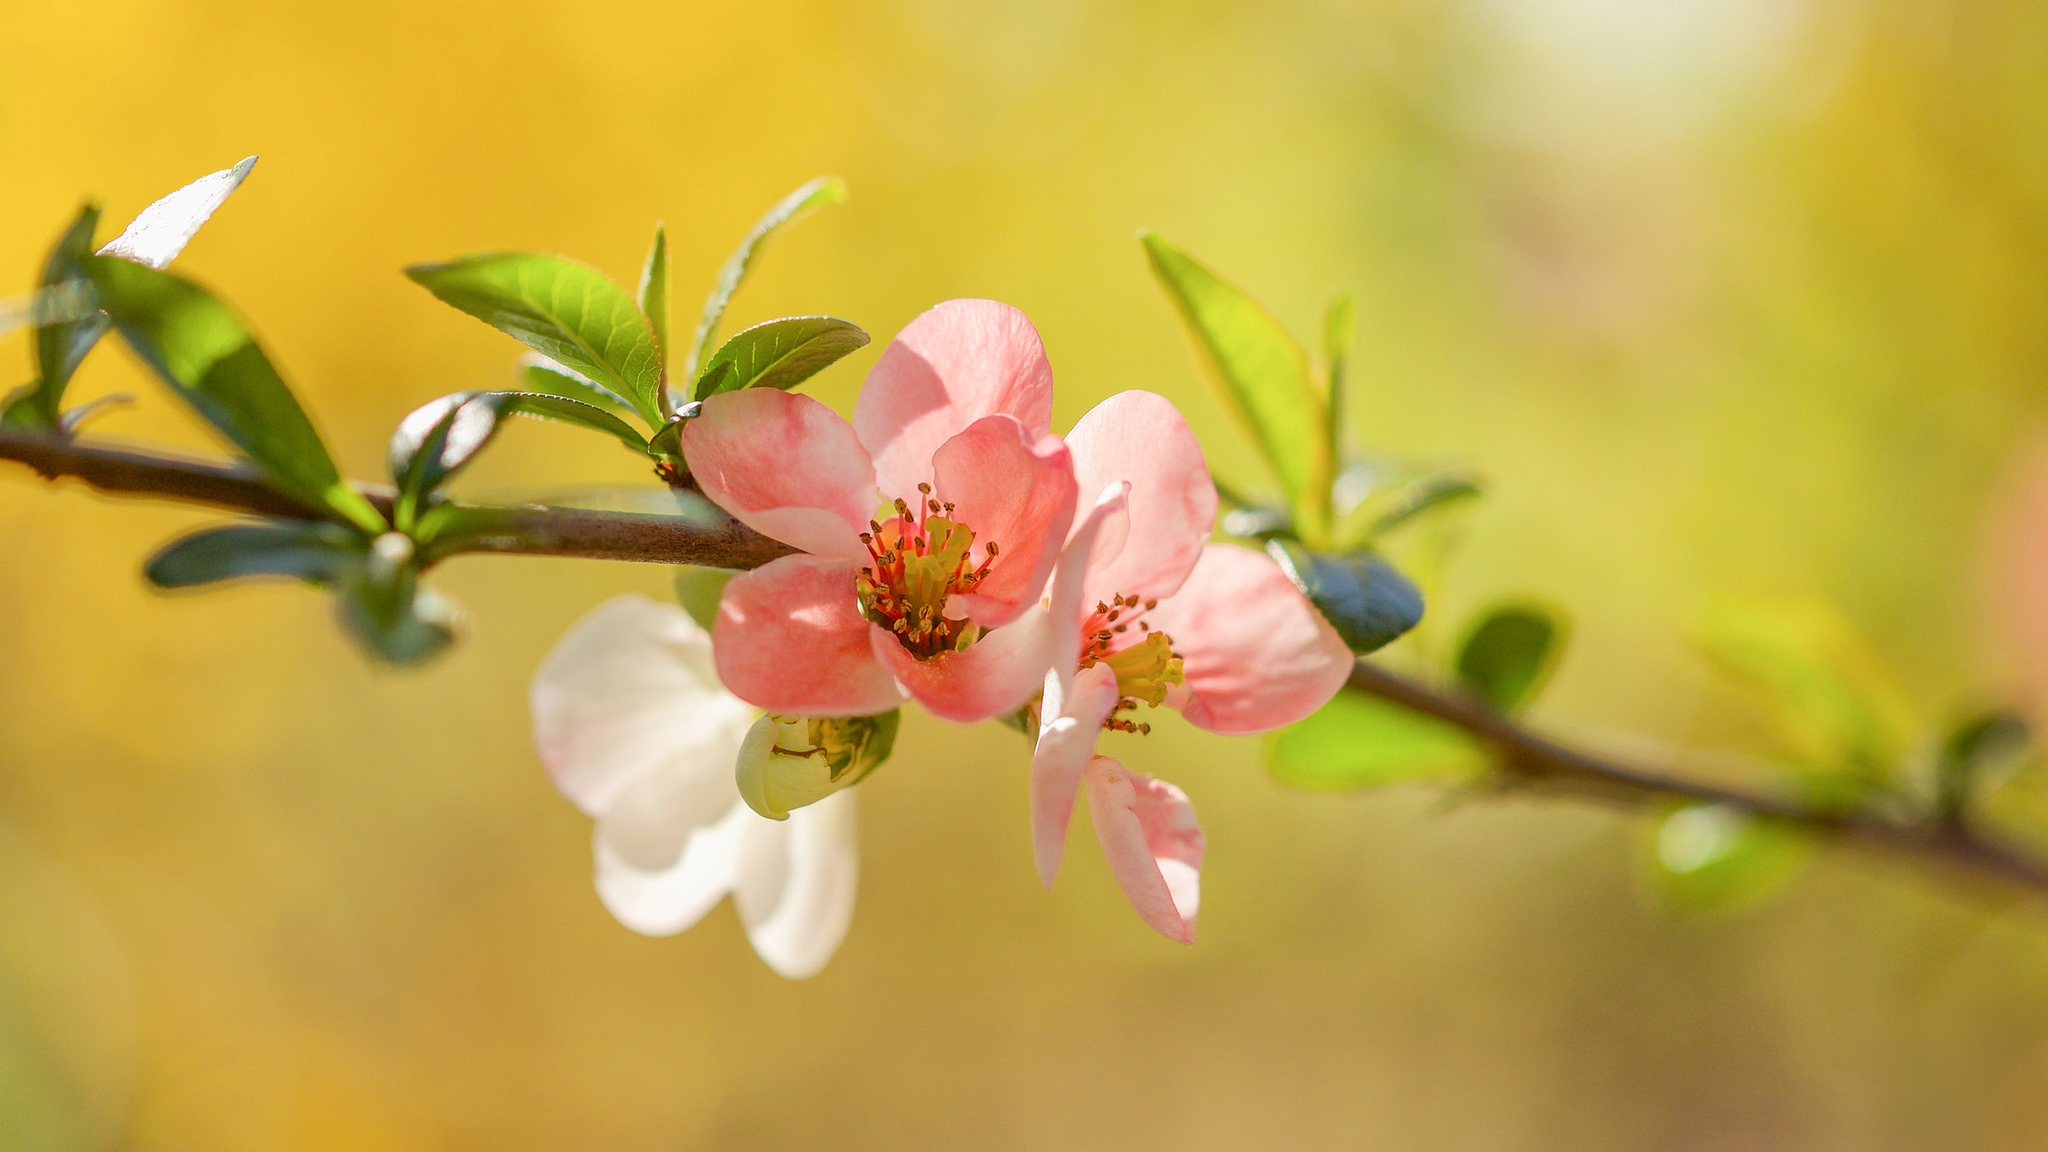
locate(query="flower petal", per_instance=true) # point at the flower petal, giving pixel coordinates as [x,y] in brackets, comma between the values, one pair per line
[628,689]
[993,677]
[786,466]
[959,362]
[790,638]
[1148,831]
[664,901]
[1256,654]
[797,879]
[1066,740]
[650,821]
[1141,437]
[1013,489]
[1064,604]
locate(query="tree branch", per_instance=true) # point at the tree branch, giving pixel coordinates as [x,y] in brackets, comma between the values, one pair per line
[1527,759]
[708,537]
[1534,762]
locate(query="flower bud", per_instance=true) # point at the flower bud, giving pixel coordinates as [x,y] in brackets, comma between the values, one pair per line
[788,762]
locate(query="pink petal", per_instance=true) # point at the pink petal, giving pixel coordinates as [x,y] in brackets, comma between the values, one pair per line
[786,466]
[1257,655]
[993,677]
[790,638]
[1066,741]
[1154,845]
[1140,437]
[1013,489]
[959,362]
[1064,604]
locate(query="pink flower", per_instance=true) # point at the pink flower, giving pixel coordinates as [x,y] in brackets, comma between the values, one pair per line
[949,441]
[1148,610]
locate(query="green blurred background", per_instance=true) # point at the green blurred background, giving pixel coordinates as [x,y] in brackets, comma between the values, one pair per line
[1725,296]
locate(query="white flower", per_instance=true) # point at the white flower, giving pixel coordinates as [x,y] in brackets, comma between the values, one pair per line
[635,729]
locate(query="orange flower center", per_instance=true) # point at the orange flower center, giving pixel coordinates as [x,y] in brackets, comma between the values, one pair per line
[918,561]
[1144,670]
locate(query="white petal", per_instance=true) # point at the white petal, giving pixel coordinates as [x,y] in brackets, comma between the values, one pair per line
[796,884]
[665,901]
[653,817]
[629,689]
[164,228]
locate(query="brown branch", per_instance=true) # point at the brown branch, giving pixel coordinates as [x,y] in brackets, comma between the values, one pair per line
[709,537]
[1532,761]
[1527,759]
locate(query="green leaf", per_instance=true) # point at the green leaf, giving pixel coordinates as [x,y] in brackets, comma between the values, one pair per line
[301,550]
[779,354]
[440,438]
[543,375]
[198,347]
[1393,505]
[562,309]
[1364,598]
[1340,330]
[1835,705]
[1262,375]
[389,613]
[1974,750]
[62,345]
[653,294]
[564,410]
[1717,857]
[698,590]
[814,194]
[1360,741]
[70,324]
[1510,653]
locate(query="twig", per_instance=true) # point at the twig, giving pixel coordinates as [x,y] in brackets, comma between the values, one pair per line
[1528,760]
[1531,761]
[712,539]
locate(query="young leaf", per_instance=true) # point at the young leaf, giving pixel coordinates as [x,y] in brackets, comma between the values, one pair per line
[161,231]
[1712,856]
[67,323]
[1359,741]
[541,374]
[653,294]
[441,437]
[1263,376]
[1510,653]
[565,410]
[1364,598]
[809,198]
[698,590]
[64,312]
[1974,749]
[1835,704]
[301,550]
[198,347]
[1340,329]
[562,309]
[1401,503]
[779,354]
[394,618]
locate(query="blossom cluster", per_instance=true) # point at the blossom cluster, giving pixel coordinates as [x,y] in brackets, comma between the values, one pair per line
[952,551]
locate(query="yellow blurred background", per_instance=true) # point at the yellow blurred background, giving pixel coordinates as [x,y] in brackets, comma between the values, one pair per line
[1725,297]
